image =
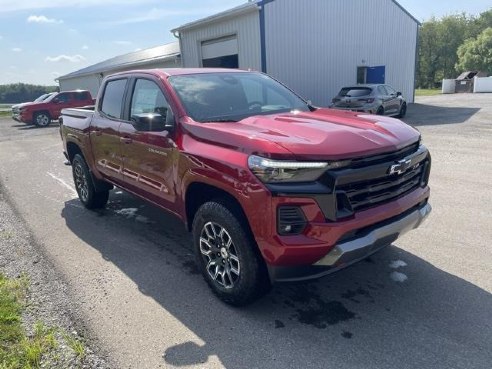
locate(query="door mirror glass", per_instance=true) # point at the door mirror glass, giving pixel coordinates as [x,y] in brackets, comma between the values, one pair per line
[149,122]
[398,93]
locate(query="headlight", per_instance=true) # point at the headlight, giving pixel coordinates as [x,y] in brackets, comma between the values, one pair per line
[272,171]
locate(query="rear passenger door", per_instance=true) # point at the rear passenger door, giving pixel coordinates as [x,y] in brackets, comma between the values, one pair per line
[104,130]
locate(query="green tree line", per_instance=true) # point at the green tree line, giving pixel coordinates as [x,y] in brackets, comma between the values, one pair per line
[452,45]
[21,92]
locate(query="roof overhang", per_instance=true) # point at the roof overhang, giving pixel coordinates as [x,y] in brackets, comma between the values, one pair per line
[225,15]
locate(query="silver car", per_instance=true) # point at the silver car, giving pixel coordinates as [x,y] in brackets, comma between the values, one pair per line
[372,99]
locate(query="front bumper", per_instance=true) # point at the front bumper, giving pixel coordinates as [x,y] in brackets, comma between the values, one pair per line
[350,251]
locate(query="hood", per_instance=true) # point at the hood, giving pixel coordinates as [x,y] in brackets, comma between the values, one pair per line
[18,106]
[325,134]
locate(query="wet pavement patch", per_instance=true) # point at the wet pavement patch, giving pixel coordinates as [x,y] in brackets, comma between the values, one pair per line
[325,313]
[279,324]
[347,335]
[352,294]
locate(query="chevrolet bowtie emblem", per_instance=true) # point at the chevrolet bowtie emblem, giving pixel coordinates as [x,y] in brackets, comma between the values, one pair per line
[401,167]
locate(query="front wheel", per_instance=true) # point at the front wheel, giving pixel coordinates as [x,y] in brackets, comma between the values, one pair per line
[82,178]
[42,119]
[227,257]
[403,111]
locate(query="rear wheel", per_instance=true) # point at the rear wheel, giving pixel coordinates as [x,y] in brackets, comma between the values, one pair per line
[42,119]
[380,111]
[84,185]
[226,256]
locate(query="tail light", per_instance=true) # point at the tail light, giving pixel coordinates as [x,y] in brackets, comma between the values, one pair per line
[369,101]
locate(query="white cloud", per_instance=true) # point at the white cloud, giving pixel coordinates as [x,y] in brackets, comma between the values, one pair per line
[123,42]
[85,47]
[42,19]
[65,58]
[16,49]
[15,5]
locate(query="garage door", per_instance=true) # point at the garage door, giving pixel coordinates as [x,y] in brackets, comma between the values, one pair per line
[220,53]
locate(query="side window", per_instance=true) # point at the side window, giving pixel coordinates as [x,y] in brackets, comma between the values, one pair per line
[390,90]
[382,90]
[63,98]
[81,96]
[113,98]
[148,98]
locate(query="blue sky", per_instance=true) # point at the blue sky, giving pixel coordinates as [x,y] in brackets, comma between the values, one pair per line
[42,39]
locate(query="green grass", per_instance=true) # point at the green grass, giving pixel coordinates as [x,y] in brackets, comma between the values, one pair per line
[17,350]
[428,92]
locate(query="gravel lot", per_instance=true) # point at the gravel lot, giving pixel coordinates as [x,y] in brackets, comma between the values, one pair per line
[124,278]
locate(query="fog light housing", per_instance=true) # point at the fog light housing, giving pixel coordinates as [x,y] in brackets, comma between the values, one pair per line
[290,221]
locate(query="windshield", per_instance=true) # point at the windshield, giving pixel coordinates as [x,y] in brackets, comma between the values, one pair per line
[51,97]
[41,98]
[226,97]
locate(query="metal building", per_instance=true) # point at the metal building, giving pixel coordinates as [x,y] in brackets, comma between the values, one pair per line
[166,56]
[313,46]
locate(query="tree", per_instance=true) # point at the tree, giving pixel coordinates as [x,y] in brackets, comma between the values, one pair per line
[476,54]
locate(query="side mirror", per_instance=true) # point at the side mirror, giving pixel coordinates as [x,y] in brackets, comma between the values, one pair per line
[398,94]
[149,122]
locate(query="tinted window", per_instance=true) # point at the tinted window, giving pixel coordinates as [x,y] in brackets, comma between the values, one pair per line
[113,98]
[355,91]
[63,97]
[148,98]
[390,90]
[382,90]
[79,96]
[213,97]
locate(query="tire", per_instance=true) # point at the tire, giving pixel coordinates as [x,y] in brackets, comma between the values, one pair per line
[227,257]
[380,111]
[84,185]
[42,119]
[403,111]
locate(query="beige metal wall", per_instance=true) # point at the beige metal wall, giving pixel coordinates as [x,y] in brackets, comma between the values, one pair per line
[245,26]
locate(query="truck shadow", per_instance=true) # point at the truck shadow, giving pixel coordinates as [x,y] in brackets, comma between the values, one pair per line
[430,115]
[392,310]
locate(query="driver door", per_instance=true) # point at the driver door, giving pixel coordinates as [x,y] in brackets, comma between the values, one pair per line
[149,152]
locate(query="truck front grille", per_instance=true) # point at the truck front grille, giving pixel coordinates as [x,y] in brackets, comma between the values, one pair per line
[365,194]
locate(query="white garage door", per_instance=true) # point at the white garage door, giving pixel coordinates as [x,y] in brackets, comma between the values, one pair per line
[220,53]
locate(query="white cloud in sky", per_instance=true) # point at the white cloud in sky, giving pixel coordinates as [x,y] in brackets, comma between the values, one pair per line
[42,19]
[65,58]
[15,5]
[85,47]
[16,49]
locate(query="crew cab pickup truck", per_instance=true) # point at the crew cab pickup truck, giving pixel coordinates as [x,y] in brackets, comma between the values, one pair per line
[272,188]
[41,113]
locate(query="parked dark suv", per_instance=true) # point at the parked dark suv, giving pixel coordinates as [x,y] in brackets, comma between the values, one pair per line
[372,99]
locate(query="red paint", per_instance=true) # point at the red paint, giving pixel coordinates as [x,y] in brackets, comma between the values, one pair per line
[216,154]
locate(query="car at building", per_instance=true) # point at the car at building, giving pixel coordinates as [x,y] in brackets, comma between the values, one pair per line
[41,113]
[272,188]
[371,98]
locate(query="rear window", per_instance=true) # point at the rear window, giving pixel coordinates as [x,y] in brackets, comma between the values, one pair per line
[113,98]
[355,91]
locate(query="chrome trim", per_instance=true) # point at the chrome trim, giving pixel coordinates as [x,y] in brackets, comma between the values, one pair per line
[352,251]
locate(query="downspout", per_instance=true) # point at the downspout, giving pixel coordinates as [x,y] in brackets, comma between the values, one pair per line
[178,36]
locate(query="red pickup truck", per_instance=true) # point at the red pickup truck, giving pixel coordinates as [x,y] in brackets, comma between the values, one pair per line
[272,188]
[41,113]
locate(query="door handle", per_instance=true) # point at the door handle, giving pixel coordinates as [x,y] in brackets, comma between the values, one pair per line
[126,140]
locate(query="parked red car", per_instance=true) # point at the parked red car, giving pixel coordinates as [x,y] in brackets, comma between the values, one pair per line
[272,188]
[41,113]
